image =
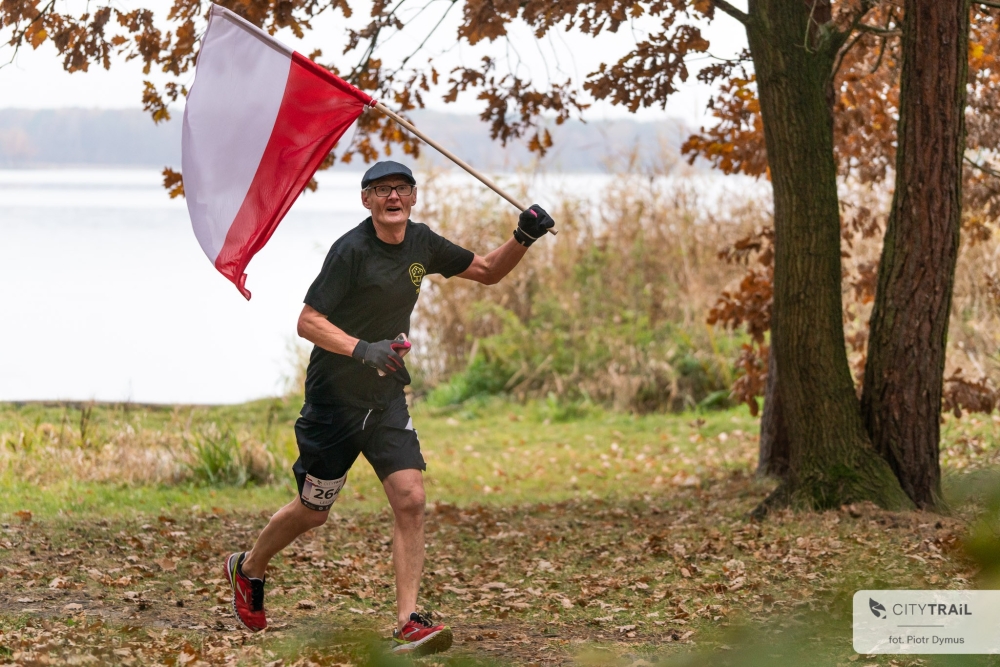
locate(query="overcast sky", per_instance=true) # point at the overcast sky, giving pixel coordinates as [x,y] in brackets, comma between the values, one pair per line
[35,79]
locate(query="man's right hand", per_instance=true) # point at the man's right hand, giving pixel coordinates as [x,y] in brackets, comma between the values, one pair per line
[381,356]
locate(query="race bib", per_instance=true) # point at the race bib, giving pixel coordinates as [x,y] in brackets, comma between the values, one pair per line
[320,494]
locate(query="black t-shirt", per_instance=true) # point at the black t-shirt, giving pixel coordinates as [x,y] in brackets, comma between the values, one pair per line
[368,288]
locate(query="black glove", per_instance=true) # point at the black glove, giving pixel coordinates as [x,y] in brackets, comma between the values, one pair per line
[532,225]
[381,356]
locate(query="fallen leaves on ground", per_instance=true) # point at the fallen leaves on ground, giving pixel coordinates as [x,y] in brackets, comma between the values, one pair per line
[533,583]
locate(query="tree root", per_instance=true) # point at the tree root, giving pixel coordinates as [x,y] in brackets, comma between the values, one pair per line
[818,494]
[780,497]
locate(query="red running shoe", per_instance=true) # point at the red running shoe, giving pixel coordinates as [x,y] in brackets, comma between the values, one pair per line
[248,595]
[420,637]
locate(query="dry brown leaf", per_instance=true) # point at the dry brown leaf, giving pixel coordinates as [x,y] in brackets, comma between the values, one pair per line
[187,655]
[167,564]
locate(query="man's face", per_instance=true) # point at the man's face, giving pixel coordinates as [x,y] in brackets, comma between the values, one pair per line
[391,210]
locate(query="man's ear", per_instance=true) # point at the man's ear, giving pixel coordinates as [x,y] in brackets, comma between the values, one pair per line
[413,196]
[364,200]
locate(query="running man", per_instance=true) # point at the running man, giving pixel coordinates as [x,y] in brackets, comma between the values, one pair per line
[354,403]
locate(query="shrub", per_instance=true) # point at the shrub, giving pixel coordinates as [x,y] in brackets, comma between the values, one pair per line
[221,459]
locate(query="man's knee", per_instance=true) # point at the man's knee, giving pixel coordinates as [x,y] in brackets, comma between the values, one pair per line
[410,500]
[315,518]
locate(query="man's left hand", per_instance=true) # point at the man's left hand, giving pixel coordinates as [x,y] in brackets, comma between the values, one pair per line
[534,223]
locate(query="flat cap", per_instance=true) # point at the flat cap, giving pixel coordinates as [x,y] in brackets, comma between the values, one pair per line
[386,168]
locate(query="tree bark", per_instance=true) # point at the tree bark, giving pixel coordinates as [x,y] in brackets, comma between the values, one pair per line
[772,459]
[831,460]
[901,399]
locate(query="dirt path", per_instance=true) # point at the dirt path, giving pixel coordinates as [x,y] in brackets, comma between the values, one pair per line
[528,585]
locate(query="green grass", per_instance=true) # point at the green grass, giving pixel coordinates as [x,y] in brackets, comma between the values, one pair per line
[489,451]
[498,453]
[87,500]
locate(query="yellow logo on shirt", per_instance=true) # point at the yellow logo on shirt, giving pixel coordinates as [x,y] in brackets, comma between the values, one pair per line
[417,273]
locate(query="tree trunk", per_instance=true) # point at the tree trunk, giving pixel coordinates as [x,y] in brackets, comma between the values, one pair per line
[772,459]
[831,460]
[901,399]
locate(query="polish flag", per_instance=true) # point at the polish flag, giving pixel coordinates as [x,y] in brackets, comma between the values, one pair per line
[259,120]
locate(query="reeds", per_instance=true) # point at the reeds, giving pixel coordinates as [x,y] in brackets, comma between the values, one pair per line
[611,311]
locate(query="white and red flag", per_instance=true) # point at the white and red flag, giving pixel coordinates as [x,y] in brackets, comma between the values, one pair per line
[259,120]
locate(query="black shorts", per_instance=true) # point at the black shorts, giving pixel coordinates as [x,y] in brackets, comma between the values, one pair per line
[331,437]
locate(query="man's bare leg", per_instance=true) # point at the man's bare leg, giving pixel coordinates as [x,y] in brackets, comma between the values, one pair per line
[287,524]
[405,490]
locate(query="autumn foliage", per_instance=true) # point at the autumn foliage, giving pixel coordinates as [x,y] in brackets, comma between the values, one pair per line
[513,103]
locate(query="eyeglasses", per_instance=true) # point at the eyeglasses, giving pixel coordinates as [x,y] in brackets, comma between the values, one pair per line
[386,190]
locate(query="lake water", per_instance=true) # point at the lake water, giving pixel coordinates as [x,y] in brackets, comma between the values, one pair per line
[106,295]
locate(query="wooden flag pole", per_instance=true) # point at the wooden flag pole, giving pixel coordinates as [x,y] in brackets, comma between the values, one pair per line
[485,180]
